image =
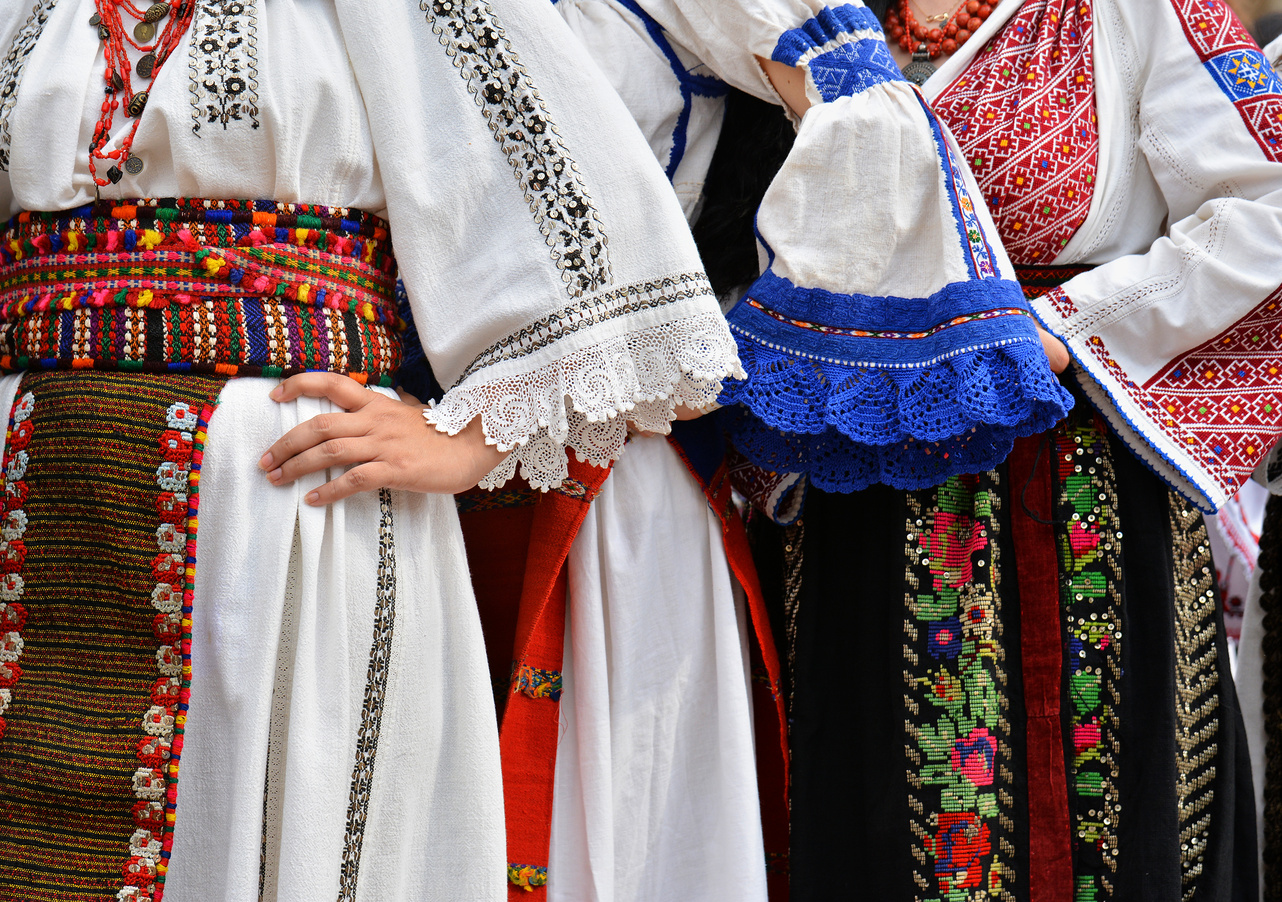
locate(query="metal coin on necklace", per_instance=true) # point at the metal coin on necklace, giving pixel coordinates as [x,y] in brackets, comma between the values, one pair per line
[921,68]
[144,32]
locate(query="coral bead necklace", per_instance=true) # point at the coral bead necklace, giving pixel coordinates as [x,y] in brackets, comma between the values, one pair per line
[926,43]
[109,20]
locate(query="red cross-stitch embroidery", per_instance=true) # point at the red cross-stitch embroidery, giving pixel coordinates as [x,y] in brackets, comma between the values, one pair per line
[1212,28]
[1024,114]
[1220,398]
[1221,41]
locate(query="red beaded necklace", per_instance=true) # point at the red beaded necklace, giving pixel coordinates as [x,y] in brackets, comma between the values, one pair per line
[118,75]
[926,44]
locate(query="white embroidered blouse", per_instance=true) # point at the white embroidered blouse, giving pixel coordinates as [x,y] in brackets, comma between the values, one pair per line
[555,286]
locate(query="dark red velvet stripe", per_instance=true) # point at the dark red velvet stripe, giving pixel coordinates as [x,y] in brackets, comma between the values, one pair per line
[1050,875]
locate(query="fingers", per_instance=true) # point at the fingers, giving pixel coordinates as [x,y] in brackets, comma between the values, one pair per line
[1055,350]
[303,438]
[364,478]
[344,391]
[336,452]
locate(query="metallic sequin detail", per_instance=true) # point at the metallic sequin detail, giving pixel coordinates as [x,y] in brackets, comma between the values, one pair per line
[1197,683]
[1088,535]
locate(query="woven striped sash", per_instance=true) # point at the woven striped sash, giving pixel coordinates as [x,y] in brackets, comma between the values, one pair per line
[229,287]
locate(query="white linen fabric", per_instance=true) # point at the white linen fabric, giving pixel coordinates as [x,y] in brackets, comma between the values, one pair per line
[282,638]
[655,794]
[511,224]
[656,786]
[557,293]
[1182,230]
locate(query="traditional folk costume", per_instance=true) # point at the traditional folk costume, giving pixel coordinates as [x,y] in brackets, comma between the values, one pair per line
[638,810]
[319,673]
[1259,665]
[1041,705]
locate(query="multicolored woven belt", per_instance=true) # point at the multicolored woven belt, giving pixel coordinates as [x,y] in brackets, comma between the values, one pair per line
[1038,280]
[234,287]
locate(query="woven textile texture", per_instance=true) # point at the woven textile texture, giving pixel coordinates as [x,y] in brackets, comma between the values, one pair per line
[99,544]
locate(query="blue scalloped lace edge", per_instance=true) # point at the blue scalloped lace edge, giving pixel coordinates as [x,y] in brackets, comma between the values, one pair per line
[850,427]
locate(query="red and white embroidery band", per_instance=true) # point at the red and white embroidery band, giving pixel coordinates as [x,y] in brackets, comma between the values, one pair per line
[1024,114]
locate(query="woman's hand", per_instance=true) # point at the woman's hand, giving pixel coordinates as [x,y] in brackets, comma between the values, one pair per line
[1056,353]
[390,443]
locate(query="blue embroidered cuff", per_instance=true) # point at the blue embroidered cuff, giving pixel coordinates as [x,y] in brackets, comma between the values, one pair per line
[842,49]
[946,392]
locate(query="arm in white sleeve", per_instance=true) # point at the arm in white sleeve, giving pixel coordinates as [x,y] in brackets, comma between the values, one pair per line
[554,283]
[1179,346]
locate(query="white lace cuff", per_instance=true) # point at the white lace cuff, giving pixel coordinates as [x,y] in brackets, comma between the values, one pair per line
[585,398]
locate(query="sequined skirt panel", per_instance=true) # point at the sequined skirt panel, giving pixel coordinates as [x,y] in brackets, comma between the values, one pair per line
[910,712]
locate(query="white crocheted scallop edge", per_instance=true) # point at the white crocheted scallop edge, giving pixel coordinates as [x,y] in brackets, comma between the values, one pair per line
[586,399]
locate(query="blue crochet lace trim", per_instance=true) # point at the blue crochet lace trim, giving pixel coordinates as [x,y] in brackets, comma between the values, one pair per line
[908,412]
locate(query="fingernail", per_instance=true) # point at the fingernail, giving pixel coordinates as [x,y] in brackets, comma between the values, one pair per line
[274,475]
[265,462]
[277,392]
[313,497]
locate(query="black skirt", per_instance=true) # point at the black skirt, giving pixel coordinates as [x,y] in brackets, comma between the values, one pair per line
[1012,686]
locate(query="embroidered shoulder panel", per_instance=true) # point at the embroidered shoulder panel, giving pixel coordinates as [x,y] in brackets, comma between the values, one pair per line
[1024,115]
[224,64]
[1240,70]
[474,38]
[11,69]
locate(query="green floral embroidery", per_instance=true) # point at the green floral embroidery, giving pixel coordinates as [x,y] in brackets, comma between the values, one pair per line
[958,735]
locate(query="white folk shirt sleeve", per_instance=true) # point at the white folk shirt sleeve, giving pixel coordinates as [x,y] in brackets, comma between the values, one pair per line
[1179,339]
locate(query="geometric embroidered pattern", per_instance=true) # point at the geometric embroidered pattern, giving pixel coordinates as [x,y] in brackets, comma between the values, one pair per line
[224,64]
[843,50]
[1024,115]
[375,692]
[186,285]
[1219,400]
[11,68]
[956,694]
[1234,60]
[1197,684]
[475,40]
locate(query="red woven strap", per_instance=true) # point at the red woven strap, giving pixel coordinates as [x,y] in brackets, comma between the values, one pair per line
[1049,852]
[529,729]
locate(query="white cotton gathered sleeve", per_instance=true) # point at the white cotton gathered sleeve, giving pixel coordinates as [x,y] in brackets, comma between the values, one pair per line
[887,339]
[1179,344]
[553,281]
